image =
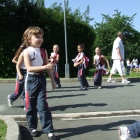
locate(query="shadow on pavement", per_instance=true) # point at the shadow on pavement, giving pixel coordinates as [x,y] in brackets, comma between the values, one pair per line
[64,107]
[65,96]
[86,129]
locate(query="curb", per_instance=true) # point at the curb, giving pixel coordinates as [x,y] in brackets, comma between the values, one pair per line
[13,131]
[82,115]
[69,80]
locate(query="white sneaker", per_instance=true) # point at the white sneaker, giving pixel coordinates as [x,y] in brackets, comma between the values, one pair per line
[111,81]
[99,87]
[9,101]
[124,81]
[123,133]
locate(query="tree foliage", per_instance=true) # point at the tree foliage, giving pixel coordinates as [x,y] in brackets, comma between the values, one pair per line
[17,16]
[107,30]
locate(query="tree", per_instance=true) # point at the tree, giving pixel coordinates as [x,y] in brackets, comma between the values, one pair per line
[107,30]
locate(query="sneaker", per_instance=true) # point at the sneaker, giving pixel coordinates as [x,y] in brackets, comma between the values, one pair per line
[111,81]
[24,108]
[10,103]
[123,133]
[124,81]
[99,87]
[34,133]
[51,136]
[83,88]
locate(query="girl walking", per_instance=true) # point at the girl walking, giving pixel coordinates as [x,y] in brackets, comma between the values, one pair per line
[54,58]
[81,62]
[98,62]
[21,74]
[35,83]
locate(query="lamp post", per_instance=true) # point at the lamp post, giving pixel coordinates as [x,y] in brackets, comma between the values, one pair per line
[67,75]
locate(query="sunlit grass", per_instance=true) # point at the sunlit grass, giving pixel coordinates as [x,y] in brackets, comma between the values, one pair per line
[3,130]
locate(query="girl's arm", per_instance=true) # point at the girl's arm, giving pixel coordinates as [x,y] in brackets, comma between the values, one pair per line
[57,58]
[19,62]
[14,60]
[80,62]
[94,62]
[50,72]
[31,68]
[106,61]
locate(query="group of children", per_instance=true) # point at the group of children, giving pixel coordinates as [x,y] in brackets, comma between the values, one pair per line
[132,66]
[31,62]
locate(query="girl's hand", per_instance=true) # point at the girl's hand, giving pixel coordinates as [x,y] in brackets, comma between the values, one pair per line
[75,65]
[20,77]
[49,66]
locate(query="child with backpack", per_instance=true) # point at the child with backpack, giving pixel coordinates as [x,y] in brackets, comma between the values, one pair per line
[81,61]
[35,83]
[54,58]
[98,62]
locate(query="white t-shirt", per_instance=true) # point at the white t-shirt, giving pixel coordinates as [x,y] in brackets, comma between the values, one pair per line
[128,63]
[134,62]
[22,66]
[117,44]
[35,56]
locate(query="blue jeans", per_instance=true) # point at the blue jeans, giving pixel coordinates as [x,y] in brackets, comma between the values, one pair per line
[19,88]
[127,70]
[36,102]
[81,76]
[134,130]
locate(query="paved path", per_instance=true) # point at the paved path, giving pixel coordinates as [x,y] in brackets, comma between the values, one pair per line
[69,99]
[85,129]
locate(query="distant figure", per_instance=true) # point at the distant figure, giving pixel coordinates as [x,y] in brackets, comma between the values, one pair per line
[118,59]
[134,62]
[80,61]
[98,62]
[137,67]
[54,58]
[128,66]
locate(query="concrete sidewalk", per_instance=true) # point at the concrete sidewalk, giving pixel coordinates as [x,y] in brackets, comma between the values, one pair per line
[102,128]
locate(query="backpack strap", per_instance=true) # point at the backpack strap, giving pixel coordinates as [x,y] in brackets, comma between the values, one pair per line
[43,54]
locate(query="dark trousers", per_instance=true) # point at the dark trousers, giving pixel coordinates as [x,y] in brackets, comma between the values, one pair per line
[19,88]
[127,70]
[81,76]
[98,78]
[134,130]
[56,75]
[36,102]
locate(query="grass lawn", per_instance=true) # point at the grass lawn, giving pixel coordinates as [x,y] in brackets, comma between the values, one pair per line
[3,130]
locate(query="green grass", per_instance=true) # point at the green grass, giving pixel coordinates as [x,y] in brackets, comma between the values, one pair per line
[3,130]
[132,75]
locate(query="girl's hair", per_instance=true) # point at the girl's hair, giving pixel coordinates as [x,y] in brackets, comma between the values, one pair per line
[98,48]
[82,45]
[18,52]
[56,46]
[32,30]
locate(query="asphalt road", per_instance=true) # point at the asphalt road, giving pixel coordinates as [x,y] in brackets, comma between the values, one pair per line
[69,99]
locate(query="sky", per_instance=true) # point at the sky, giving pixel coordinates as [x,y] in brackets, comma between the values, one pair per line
[107,7]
